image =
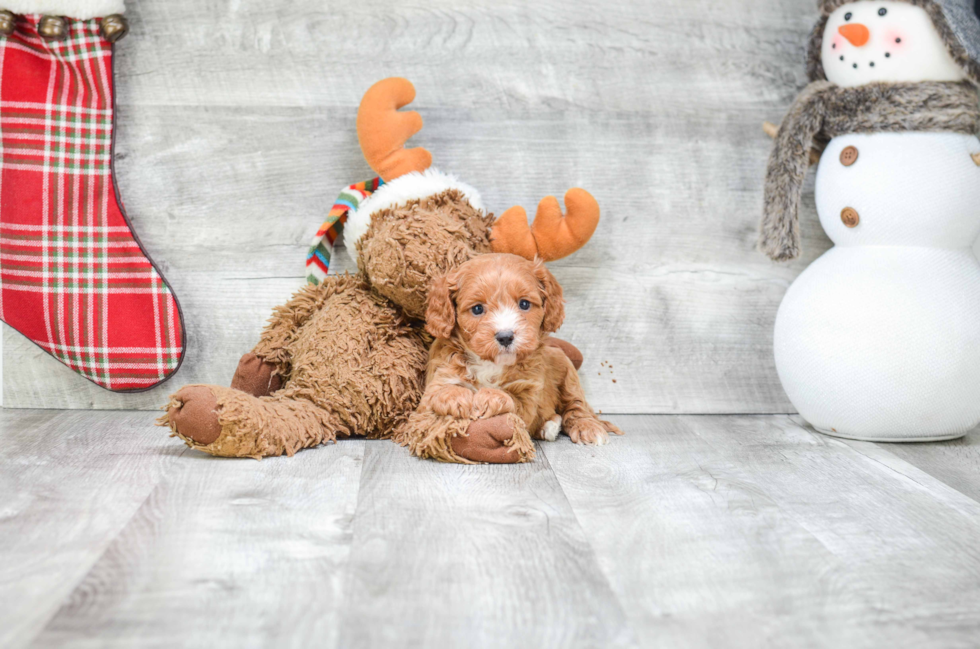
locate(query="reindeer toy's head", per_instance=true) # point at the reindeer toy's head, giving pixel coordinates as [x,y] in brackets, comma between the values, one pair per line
[423,223]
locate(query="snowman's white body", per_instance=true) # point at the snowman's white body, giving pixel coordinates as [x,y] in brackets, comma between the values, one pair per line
[879,339]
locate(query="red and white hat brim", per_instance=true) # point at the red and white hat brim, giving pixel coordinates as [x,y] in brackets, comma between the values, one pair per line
[78,9]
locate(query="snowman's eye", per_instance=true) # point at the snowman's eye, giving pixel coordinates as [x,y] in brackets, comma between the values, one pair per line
[882,11]
[848,15]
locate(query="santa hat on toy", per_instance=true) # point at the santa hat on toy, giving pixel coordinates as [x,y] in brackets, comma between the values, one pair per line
[956,21]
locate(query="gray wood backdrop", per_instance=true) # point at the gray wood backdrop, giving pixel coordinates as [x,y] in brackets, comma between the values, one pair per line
[236,129]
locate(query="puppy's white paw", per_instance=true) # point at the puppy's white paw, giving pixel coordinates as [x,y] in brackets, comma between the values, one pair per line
[551,429]
[600,440]
[587,431]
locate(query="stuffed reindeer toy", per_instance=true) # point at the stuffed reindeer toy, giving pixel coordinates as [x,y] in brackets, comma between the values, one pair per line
[347,356]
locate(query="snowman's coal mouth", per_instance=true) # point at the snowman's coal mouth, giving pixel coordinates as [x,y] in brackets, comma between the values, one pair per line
[871,64]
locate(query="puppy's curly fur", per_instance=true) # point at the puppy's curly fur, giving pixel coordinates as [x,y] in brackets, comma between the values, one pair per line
[491,318]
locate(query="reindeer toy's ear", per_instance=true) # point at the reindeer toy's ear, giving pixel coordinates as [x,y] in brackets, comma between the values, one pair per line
[552,236]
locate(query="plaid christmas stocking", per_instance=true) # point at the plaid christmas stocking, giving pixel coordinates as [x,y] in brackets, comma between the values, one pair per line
[73,276]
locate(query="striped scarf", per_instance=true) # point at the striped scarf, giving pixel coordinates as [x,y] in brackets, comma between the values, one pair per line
[321,249]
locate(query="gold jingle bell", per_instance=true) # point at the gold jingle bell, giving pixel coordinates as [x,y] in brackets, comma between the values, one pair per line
[53,28]
[8,22]
[114,27]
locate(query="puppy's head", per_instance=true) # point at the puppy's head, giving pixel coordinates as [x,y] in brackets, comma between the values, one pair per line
[499,306]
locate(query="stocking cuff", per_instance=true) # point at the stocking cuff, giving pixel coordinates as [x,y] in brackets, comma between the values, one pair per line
[79,9]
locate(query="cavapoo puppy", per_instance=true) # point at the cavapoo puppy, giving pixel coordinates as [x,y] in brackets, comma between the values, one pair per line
[491,318]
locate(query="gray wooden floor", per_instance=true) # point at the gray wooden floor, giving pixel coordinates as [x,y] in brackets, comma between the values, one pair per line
[691,531]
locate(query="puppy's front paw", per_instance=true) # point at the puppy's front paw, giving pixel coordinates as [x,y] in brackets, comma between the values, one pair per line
[587,430]
[551,428]
[450,401]
[490,403]
[453,409]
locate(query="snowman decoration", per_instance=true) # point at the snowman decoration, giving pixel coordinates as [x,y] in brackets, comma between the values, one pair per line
[879,339]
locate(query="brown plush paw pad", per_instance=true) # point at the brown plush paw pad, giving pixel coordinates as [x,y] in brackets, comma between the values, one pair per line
[254,376]
[570,350]
[196,417]
[484,441]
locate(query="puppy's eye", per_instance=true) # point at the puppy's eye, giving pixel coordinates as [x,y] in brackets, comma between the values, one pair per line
[477,310]
[882,11]
[848,15]
[524,304]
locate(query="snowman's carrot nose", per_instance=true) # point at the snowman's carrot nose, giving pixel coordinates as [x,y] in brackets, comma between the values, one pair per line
[856,33]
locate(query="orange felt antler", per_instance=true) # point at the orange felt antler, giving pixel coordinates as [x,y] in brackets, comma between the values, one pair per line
[383,131]
[552,236]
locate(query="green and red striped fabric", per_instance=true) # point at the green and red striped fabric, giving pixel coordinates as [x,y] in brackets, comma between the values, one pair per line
[321,249]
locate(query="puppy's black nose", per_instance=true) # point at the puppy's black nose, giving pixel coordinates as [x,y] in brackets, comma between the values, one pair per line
[505,338]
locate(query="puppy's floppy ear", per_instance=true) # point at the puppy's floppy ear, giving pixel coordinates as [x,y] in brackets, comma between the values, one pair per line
[440,314]
[554,301]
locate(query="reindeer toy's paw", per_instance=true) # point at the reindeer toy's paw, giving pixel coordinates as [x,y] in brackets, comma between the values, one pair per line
[491,441]
[256,377]
[192,415]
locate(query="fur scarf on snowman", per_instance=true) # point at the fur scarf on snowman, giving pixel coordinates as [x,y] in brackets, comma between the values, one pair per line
[825,110]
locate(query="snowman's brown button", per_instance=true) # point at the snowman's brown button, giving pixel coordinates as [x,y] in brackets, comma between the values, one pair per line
[849,156]
[850,217]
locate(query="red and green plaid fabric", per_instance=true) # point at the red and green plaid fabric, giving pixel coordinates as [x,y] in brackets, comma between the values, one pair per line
[73,277]
[321,249]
